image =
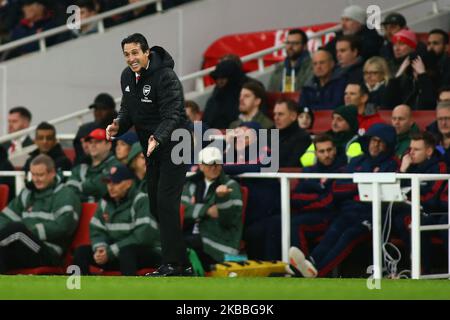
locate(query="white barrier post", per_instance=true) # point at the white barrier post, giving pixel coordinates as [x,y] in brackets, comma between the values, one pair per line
[285,218]
[376,231]
[20,182]
[415,228]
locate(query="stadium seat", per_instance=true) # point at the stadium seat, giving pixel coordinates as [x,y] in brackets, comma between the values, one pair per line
[4,194]
[81,237]
[70,153]
[322,121]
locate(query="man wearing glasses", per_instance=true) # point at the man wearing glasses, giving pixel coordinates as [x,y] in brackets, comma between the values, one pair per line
[292,74]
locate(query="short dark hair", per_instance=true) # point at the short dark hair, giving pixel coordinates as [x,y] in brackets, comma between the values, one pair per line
[24,112]
[427,138]
[46,126]
[291,104]
[300,32]
[323,137]
[136,38]
[362,87]
[257,90]
[440,32]
[354,41]
[192,105]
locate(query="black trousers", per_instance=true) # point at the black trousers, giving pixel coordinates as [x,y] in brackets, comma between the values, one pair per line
[130,259]
[165,181]
[19,248]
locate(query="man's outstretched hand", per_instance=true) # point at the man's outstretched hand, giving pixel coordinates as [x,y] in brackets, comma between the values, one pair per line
[112,129]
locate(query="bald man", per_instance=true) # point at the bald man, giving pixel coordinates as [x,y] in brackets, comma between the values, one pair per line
[325,90]
[403,122]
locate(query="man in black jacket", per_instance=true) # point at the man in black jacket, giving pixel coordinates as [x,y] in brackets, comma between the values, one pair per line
[293,140]
[152,101]
[47,143]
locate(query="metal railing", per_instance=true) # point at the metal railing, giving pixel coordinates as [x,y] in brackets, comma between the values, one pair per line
[64,28]
[285,178]
[196,76]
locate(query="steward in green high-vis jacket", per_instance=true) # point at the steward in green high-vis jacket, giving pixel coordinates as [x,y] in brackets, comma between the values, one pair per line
[344,131]
[37,227]
[213,210]
[124,234]
[86,179]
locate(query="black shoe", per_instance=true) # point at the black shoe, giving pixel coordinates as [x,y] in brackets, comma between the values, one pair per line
[170,270]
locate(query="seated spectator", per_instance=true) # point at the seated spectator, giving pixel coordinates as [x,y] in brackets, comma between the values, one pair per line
[441,129]
[344,131]
[350,62]
[293,140]
[124,235]
[47,143]
[37,17]
[136,13]
[88,9]
[86,179]
[403,122]
[411,84]
[19,118]
[104,112]
[425,159]
[6,165]
[292,74]
[213,210]
[393,23]
[312,207]
[306,119]
[238,61]
[376,77]
[9,17]
[192,111]
[325,90]
[44,217]
[250,100]
[222,106]
[354,22]
[353,222]
[243,152]
[123,145]
[438,45]
[136,162]
[357,94]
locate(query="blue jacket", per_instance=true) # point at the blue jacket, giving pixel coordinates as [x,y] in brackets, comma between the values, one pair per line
[430,191]
[345,191]
[327,97]
[315,194]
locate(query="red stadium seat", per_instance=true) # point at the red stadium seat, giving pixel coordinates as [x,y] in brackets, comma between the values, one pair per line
[4,194]
[322,121]
[81,238]
[70,153]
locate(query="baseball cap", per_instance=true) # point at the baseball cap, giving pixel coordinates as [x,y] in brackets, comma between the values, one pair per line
[118,174]
[395,19]
[210,155]
[129,138]
[104,101]
[97,134]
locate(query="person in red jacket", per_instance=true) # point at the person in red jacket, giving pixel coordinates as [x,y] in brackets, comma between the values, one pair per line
[357,94]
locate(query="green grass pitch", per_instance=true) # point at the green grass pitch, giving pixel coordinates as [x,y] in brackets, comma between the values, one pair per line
[55,287]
